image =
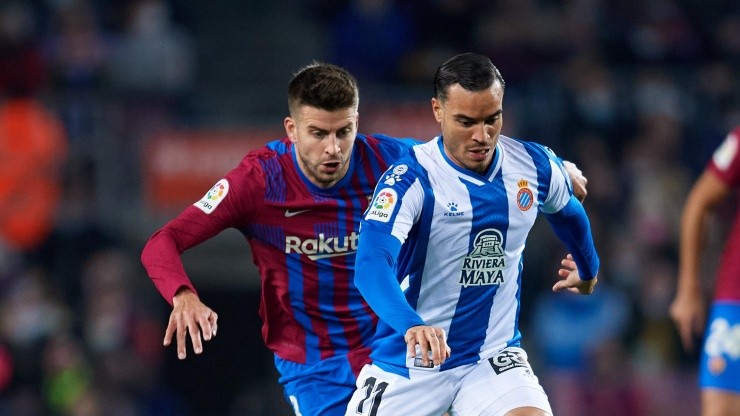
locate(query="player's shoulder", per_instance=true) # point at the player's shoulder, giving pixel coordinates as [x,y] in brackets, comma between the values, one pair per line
[275,149]
[388,149]
[418,159]
[515,143]
[263,160]
[517,149]
[386,141]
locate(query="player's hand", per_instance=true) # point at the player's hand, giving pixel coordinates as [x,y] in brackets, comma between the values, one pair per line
[576,177]
[428,339]
[190,316]
[688,313]
[572,280]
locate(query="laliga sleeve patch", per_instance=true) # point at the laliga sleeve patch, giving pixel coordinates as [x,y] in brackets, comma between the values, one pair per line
[382,206]
[724,155]
[214,196]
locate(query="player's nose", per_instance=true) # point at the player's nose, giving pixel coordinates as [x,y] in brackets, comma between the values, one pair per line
[332,145]
[480,133]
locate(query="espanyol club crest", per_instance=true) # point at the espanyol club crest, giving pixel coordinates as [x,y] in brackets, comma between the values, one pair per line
[524,198]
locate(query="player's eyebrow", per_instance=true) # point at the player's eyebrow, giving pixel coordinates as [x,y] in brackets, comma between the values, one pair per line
[463,117]
[320,130]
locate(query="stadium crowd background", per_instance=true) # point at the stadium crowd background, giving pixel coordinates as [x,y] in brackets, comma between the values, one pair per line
[638,94]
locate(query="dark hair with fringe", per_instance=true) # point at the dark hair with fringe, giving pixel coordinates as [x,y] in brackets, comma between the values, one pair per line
[472,71]
[324,86]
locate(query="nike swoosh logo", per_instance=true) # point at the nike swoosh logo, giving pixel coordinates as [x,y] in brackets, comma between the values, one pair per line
[289,213]
[326,256]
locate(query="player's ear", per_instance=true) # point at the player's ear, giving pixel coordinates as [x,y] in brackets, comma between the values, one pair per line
[290,127]
[437,109]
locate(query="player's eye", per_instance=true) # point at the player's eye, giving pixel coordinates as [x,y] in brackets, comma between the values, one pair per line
[343,133]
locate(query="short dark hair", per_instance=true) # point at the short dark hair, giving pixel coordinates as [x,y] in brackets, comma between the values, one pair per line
[324,86]
[472,71]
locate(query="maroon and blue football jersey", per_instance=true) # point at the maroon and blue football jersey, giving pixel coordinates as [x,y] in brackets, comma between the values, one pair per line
[303,240]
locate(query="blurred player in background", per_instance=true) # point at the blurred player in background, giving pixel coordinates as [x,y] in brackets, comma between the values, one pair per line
[299,202]
[440,258]
[719,365]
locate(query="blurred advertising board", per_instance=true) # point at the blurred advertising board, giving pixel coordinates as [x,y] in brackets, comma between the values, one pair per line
[181,166]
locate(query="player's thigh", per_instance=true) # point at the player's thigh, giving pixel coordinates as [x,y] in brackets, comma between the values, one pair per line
[317,397]
[381,393]
[499,385]
[719,364]
[318,389]
[719,403]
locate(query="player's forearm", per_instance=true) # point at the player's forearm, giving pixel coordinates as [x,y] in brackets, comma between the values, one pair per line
[572,226]
[707,192]
[161,259]
[691,243]
[374,278]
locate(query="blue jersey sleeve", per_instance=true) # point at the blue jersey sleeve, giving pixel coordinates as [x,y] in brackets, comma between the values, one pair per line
[374,277]
[572,226]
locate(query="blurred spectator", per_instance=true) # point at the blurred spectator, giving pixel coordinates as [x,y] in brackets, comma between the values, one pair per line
[656,345]
[30,315]
[33,143]
[371,37]
[663,32]
[593,154]
[78,51]
[441,30]
[122,333]
[594,101]
[657,182]
[152,73]
[154,59]
[76,236]
[32,153]
[22,68]
[609,386]
[726,38]
[524,36]
[567,331]
[67,375]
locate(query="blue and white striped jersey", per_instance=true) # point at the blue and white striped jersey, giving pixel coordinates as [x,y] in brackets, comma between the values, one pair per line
[452,239]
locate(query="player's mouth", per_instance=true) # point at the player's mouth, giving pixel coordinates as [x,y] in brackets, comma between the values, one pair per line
[330,167]
[479,154]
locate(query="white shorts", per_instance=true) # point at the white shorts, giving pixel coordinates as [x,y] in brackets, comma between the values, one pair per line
[490,387]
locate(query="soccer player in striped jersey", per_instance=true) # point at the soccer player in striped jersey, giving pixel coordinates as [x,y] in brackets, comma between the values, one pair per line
[719,364]
[440,259]
[298,201]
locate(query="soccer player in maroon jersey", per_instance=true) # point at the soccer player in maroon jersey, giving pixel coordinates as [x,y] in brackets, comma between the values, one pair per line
[719,365]
[298,201]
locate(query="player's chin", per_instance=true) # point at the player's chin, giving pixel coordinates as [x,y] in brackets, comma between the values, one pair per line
[329,177]
[326,180]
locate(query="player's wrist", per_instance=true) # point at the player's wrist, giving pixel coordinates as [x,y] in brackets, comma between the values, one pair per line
[182,293]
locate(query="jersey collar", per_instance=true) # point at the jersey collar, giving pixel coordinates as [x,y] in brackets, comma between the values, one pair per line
[333,189]
[488,175]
